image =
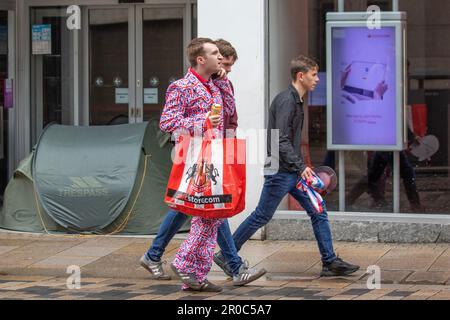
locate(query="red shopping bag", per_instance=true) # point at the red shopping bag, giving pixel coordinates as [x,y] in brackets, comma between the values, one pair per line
[208,177]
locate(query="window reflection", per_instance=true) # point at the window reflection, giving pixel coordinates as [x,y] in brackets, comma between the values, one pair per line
[424,173]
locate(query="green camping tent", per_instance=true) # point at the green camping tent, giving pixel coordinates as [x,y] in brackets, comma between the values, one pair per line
[94,180]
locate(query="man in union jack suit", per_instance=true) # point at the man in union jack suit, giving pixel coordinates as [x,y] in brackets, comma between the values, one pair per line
[187,109]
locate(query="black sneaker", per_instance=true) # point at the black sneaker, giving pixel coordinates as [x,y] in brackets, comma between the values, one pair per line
[338,268]
[220,261]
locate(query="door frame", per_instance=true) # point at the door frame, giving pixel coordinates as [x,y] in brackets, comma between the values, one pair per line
[187,25]
[12,127]
[86,63]
[12,130]
[135,53]
[36,98]
[22,47]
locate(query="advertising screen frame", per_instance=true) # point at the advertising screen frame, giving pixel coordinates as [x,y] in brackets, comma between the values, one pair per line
[398,21]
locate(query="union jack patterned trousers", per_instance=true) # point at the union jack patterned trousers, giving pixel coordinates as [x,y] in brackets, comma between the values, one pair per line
[195,255]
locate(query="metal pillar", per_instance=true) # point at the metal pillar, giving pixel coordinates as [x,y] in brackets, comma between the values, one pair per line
[76,80]
[341,180]
[341,5]
[395,5]
[341,8]
[396,186]
[396,157]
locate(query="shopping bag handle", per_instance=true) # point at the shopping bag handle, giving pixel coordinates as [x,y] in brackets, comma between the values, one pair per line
[209,132]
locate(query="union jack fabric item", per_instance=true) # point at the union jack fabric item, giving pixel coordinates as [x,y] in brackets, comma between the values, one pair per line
[188,101]
[309,187]
[195,255]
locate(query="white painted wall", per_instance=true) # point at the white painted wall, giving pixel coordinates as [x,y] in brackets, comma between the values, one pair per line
[262,70]
[243,24]
[288,37]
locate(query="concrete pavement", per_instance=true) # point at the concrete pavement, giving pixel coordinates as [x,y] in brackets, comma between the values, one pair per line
[35,266]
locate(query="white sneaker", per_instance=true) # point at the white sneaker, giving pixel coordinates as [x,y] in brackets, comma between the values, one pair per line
[247,275]
[155,268]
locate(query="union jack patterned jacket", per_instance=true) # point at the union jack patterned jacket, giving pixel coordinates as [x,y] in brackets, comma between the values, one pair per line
[188,101]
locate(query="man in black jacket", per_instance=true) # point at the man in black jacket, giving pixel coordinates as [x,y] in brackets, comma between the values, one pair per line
[285,167]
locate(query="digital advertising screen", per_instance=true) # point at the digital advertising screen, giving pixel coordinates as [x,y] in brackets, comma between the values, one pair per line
[366,88]
[364,71]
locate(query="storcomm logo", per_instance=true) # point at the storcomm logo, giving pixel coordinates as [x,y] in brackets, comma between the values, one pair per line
[84,187]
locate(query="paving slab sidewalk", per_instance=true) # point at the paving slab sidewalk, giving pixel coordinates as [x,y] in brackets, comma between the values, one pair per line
[25,254]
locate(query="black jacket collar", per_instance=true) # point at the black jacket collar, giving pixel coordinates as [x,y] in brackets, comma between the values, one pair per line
[295,93]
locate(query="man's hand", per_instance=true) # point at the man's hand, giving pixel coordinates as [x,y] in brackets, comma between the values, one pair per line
[215,120]
[221,73]
[307,173]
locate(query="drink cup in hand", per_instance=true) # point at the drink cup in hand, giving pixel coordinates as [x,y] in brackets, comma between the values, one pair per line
[214,115]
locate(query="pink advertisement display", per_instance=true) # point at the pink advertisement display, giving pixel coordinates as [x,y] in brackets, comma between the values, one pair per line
[364,86]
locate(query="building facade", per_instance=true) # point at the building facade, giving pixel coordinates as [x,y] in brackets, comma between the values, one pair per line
[115,63]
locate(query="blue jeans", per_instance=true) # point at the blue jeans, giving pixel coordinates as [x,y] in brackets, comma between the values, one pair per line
[174,220]
[275,188]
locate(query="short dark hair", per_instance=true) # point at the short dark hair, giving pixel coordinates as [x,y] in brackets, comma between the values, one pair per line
[196,49]
[302,64]
[226,49]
